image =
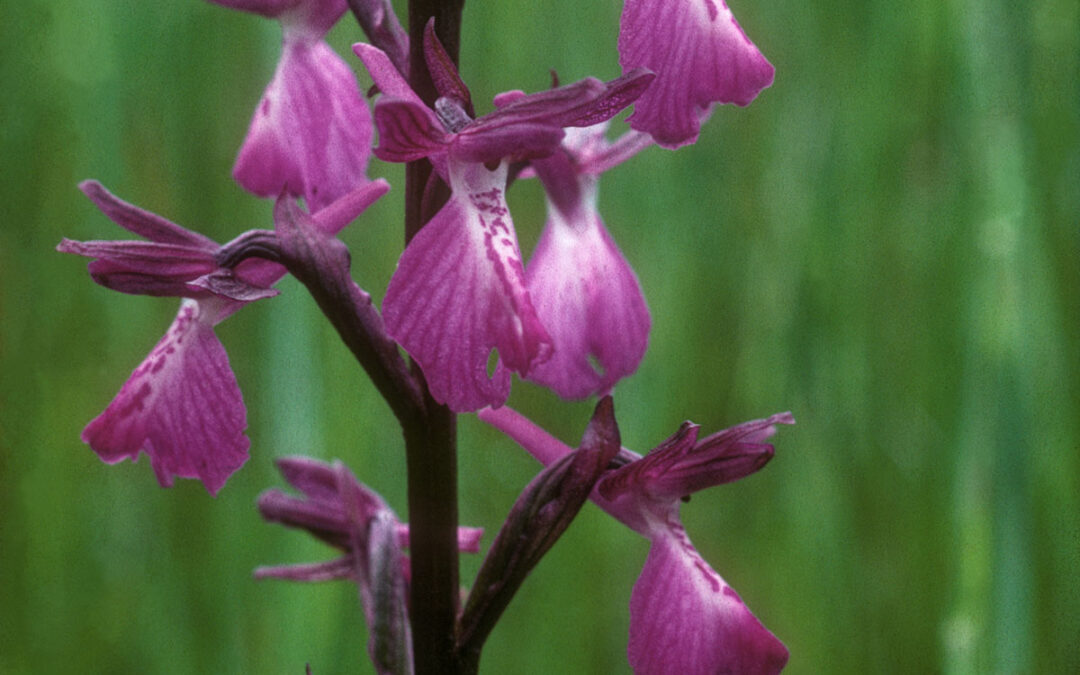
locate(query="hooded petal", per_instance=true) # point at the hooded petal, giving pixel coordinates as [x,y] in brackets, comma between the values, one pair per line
[700,56]
[311,132]
[176,262]
[589,299]
[458,293]
[181,406]
[682,464]
[165,270]
[523,126]
[686,620]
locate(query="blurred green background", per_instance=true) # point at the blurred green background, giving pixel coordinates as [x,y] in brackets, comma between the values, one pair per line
[884,243]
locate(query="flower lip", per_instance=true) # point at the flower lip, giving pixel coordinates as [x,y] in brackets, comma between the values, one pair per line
[583,288]
[181,406]
[686,619]
[459,292]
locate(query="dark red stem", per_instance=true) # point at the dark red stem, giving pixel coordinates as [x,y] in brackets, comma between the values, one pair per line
[431,445]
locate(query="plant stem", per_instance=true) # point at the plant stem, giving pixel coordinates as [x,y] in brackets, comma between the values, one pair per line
[431,445]
[432,467]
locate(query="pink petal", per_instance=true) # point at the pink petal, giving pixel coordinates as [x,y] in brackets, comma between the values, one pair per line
[580,104]
[337,215]
[330,570]
[444,72]
[589,300]
[168,261]
[458,293]
[683,465]
[468,539]
[170,270]
[387,78]
[524,140]
[317,480]
[122,279]
[503,99]
[141,222]
[599,157]
[181,406]
[700,56]
[723,457]
[408,131]
[629,487]
[686,620]
[311,132]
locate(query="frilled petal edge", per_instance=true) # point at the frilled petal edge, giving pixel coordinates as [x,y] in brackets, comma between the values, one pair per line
[700,56]
[181,406]
[686,620]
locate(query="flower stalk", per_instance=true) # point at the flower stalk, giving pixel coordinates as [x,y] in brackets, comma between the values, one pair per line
[431,442]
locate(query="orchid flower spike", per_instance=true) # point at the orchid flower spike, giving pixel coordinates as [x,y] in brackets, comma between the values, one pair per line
[459,291]
[182,405]
[700,55]
[311,132]
[684,618]
[583,289]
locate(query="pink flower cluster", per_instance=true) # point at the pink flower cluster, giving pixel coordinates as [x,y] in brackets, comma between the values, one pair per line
[573,319]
